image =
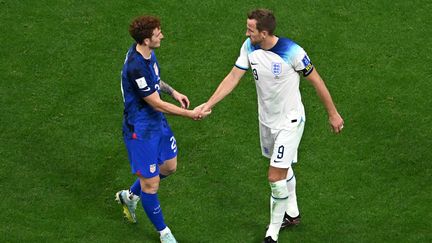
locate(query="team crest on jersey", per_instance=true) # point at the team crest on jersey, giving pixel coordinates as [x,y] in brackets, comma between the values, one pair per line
[276,68]
[152,168]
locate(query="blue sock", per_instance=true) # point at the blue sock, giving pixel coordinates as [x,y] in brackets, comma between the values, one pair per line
[151,205]
[136,187]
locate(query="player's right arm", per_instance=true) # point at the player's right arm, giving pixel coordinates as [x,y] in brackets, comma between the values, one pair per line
[225,87]
[231,80]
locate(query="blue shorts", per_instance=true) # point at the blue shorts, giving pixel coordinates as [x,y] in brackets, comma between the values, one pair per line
[145,155]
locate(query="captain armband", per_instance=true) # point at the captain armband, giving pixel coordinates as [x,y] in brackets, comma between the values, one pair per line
[308,66]
[308,69]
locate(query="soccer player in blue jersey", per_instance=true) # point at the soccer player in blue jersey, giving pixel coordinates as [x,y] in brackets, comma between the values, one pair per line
[277,64]
[150,143]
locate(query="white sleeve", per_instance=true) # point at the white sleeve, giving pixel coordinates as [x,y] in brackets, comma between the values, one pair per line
[301,62]
[243,60]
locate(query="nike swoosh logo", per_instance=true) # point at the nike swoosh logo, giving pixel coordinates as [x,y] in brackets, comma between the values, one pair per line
[277,161]
[148,88]
[254,63]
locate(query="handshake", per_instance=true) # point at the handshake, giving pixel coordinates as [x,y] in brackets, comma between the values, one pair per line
[200,112]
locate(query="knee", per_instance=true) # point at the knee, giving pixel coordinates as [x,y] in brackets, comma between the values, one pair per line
[274,178]
[169,167]
[170,170]
[277,174]
[150,187]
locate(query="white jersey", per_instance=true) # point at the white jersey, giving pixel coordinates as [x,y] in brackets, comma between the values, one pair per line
[277,79]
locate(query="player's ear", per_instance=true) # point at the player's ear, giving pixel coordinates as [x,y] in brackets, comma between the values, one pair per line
[146,41]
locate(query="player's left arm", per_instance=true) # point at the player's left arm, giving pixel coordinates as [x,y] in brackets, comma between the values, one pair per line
[335,118]
[183,99]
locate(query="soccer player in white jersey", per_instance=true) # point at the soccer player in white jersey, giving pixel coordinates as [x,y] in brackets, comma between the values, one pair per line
[277,64]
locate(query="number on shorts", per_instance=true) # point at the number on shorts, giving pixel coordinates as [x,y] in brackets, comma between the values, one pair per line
[280,152]
[173,144]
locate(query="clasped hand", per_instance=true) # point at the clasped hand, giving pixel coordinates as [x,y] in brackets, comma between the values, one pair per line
[201,112]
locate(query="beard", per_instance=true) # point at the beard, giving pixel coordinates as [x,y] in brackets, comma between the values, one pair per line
[255,41]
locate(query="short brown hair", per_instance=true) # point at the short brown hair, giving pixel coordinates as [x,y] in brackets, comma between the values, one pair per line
[142,27]
[264,18]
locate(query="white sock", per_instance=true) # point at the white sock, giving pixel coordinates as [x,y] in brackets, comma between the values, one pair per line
[165,231]
[292,209]
[278,206]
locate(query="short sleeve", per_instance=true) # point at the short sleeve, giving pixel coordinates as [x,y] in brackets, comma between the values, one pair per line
[142,82]
[301,62]
[243,60]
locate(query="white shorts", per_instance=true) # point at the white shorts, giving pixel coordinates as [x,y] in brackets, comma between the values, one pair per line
[280,146]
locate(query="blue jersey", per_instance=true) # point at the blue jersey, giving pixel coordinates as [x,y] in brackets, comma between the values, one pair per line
[140,78]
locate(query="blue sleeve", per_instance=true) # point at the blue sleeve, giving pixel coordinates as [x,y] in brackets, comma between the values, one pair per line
[142,82]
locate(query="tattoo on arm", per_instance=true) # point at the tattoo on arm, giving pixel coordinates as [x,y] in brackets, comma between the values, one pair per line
[166,88]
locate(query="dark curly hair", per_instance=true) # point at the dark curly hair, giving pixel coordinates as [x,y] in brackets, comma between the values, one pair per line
[142,27]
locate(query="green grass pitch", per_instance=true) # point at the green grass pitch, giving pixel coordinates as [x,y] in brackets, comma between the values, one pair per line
[62,157]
